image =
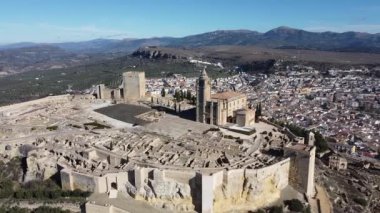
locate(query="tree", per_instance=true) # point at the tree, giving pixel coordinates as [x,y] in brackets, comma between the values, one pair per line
[324,106]
[111,146]
[307,210]
[19,194]
[309,97]
[261,110]
[294,205]
[54,194]
[276,209]
[360,201]
[14,209]
[193,100]
[6,188]
[46,209]
[38,194]
[76,193]
[163,92]
[177,96]
[258,111]
[188,95]
[320,142]
[181,95]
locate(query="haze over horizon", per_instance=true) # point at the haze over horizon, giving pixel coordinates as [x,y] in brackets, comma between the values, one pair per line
[45,21]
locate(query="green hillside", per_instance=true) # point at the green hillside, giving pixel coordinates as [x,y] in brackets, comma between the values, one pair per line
[36,84]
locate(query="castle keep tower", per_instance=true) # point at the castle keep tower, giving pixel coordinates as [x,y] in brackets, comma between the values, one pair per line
[203,87]
[133,85]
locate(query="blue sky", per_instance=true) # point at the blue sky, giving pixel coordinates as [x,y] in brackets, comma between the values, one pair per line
[76,20]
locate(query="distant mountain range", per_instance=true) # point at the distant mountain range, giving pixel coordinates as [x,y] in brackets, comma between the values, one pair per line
[227,45]
[278,38]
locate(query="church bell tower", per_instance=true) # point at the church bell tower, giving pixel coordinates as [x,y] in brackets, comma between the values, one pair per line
[203,88]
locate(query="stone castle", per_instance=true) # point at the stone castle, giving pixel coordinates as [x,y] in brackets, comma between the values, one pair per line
[156,162]
[213,189]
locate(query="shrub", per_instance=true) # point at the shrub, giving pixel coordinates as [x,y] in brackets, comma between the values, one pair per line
[27,194]
[294,205]
[320,141]
[307,210]
[47,209]
[51,128]
[360,201]
[6,188]
[38,194]
[65,193]
[18,194]
[14,209]
[276,209]
[96,125]
[54,194]
[75,126]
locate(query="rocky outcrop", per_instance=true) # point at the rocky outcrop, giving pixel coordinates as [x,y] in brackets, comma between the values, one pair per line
[163,192]
[39,167]
[157,53]
[251,189]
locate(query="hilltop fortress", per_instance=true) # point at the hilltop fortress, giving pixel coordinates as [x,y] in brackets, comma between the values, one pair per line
[136,159]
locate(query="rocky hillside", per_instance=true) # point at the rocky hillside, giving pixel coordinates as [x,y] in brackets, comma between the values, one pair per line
[32,58]
[237,54]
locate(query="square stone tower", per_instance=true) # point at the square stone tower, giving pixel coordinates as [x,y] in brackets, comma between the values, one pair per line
[302,167]
[133,85]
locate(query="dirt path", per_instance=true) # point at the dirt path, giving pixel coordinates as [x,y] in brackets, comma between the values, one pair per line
[324,201]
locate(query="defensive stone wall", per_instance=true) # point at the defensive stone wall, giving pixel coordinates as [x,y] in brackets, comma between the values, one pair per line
[180,176]
[84,182]
[187,191]
[251,188]
[72,180]
[95,208]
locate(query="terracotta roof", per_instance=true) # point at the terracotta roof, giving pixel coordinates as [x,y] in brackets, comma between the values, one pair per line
[226,95]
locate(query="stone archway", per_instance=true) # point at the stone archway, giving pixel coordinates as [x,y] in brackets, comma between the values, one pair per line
[114,185]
